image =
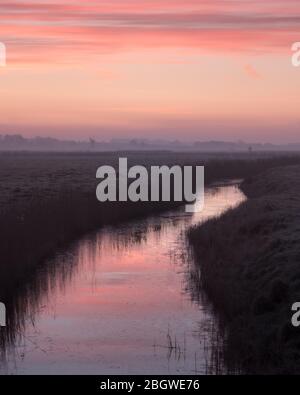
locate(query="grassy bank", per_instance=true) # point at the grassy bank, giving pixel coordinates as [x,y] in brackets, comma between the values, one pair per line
[49,201]
[249,261]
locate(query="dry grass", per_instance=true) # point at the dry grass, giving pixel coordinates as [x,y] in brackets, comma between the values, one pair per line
[249,260]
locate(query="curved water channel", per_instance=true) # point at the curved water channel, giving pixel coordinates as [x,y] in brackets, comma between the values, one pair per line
[119,302]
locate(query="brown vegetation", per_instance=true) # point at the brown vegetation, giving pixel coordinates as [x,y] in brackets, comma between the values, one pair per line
[249,263]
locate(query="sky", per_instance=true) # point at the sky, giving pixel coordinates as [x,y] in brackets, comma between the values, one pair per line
[170,69]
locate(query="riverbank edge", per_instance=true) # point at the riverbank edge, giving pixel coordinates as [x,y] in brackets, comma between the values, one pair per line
[246,261]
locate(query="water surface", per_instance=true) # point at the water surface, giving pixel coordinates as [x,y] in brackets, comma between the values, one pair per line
[118,302]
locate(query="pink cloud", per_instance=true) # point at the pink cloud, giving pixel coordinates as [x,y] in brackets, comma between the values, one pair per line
[53,31]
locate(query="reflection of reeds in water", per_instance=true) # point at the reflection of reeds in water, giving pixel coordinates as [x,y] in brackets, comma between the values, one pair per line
[208,358]
[26,301]
[214,331]
[174,347]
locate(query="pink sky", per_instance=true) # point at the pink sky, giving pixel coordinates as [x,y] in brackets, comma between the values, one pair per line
[184,69]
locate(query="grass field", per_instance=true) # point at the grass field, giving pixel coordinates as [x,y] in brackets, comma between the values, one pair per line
[249,261]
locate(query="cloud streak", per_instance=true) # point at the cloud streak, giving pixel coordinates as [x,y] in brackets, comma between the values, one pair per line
[71,29]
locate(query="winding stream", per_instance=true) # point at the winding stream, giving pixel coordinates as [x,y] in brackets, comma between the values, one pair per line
[118,302]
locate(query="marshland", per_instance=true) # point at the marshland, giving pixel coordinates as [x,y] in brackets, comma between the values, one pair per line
[120,273]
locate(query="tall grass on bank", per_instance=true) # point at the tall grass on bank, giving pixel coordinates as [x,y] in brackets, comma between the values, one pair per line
[247,261]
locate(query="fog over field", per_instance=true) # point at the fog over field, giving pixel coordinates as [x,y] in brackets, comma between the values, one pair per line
[19,143]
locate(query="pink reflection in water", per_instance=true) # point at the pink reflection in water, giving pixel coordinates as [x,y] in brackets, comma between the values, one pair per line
[125,295]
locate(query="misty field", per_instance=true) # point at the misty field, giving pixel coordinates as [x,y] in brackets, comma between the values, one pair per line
[25,175]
